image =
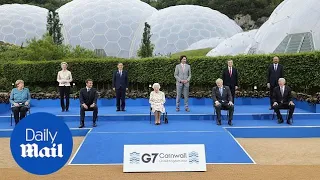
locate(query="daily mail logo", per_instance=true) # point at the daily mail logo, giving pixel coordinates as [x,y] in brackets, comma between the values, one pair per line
[41,143]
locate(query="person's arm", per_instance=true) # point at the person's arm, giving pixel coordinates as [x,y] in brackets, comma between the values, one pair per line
[214,96]
[176,74]
[114,80]
[268,75]
[81,97]
[11,97]
[289,95]
[70,77]
[28,96]
[189,76]
[229,94]
[95,96]
[58,78]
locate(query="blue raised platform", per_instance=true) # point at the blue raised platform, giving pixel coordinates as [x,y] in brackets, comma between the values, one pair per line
[103,145]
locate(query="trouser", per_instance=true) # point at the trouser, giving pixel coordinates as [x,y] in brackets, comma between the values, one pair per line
[19,113]
[284,106]
[83,113]
[185,89]
[121,98]
[224,106]
[64,93]
[233,91]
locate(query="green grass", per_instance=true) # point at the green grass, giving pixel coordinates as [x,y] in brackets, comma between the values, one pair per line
[193,53]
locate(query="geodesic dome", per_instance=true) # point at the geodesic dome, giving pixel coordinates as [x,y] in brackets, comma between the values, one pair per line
[21,22]
[206,43]
[294,26]
[177,27]
[234,45]
[109,26]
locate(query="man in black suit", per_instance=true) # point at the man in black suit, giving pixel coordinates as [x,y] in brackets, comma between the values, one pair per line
[230,78]
[282,99]
[88,102]
[120,85]
[222,99]
[275,71]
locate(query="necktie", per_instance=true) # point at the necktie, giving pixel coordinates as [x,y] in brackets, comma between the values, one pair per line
[220,89]
[275,67]
[230,72]
[282,91]
[120,73]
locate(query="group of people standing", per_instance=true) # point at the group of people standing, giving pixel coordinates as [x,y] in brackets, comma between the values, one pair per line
[223,94]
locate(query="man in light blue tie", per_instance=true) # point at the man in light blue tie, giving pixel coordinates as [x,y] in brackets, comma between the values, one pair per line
[222,99]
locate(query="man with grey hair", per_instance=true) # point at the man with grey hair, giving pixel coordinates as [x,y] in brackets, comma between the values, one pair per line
[282,99]
[182,74]
[222,99]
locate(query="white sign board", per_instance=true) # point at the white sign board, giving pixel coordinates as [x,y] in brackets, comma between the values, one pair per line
[164,158]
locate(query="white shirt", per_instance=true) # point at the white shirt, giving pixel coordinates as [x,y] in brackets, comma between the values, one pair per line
[64,78]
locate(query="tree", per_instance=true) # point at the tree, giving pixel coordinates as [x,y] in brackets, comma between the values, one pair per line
[146,47]
[54,27]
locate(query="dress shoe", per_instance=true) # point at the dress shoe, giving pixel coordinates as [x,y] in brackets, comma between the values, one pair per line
[123,110]
[219,122]
[81,126]
[280,121]
[118,110]
[94,124]
[230,123]
[289,122]
[62,110]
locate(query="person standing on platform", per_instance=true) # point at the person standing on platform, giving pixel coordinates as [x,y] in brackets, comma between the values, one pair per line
[230,78]
[64,78]
[222,100]
[275,71]
[182,74]
[282,99]
[120,85]
[88,102]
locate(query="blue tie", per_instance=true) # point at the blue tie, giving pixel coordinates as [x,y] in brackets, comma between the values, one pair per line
[220,89]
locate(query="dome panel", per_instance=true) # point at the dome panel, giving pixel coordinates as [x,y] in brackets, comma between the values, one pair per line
[114,19]
[18,19]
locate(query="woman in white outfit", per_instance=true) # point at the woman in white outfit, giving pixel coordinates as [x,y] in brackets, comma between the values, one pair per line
[64,78]
[157,100]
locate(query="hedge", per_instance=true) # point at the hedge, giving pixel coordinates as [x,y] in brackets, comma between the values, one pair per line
[302,70]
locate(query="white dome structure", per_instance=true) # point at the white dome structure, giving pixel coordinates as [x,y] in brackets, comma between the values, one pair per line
[290,29]
[206,43]
[234,45]
[175,28]
[21,22]
[109,26]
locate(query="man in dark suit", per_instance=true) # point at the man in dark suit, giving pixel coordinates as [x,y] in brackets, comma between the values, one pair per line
[120,85]
[230,78]
[88,102]
[282,99]
[275,71]
[222,99]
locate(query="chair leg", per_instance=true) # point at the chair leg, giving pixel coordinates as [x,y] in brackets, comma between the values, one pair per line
[150,117]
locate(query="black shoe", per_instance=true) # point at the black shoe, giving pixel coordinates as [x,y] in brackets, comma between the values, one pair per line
[289,122]
[280,121]
[82,125]
[219,122]
[62,110]
[118,110]
[123,110]
[94,124]
[67,110]
[230,123]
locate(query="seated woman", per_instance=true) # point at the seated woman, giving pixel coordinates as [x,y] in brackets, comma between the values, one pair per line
[157,100]
[20,101]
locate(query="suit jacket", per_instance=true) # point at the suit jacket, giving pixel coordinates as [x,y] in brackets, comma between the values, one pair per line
[226,94]
[230,81]
[277,97]
[273,76]
[120,81]
[181,74]
[88,97]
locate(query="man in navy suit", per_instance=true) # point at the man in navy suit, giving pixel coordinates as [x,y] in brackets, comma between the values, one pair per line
[222,99]
[230,78]
[275,72]
[120,85]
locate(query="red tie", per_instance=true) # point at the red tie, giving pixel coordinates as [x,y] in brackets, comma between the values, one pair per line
[230,72]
